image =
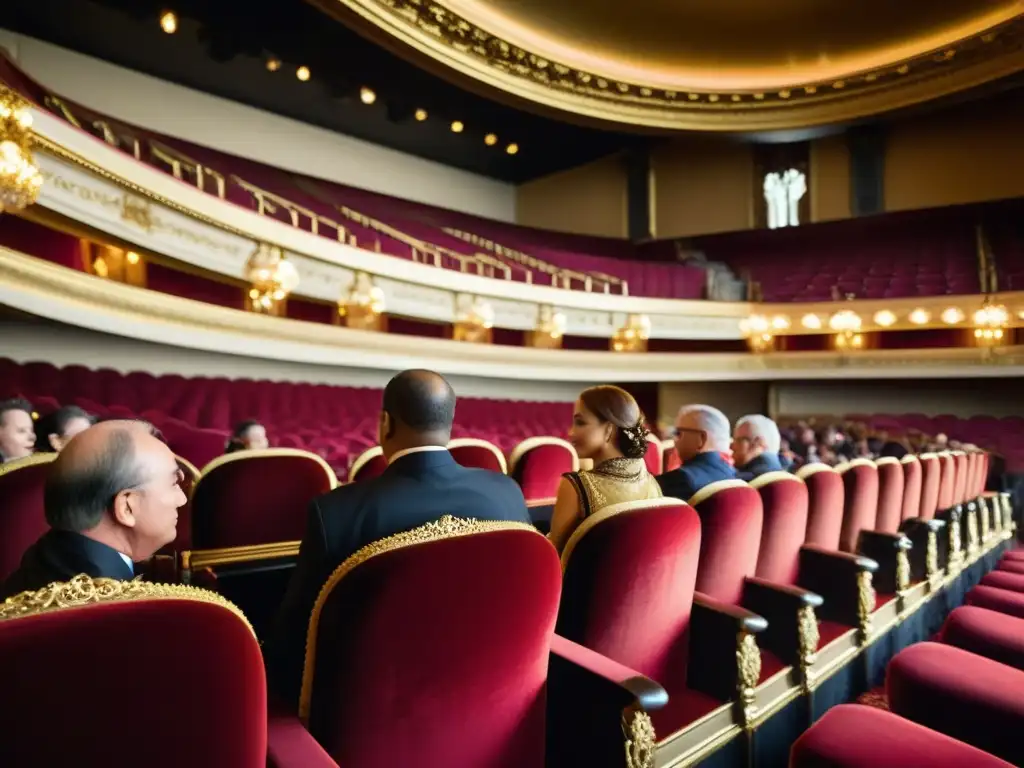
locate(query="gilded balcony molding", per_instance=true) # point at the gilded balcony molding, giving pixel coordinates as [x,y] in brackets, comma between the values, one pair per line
[74,298]
[436,35]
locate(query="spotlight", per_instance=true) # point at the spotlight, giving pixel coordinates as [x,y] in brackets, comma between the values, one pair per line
[169,22]
[366,95]
[302,73]
[421,115]
[490,139]
[512,148]
[273,64]
[457,126]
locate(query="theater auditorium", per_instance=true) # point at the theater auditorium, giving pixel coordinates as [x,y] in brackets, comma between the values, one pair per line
[482,384]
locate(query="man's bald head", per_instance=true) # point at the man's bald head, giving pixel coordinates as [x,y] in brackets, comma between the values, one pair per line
[421,404]
[93,468]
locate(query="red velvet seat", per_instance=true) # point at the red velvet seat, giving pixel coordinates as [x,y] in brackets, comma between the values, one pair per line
[653,458]
[538,464]
[1011,566]
[478,454]
[1013,555]
[912,487]
[367,465]
[214,713]
[991,634]
[669,456]
[860,501]
[23,518]
[1002,579]
[891,486]
[432,648]
[961,694]
[931,470]
[825,510]
[995,598]
[248,504]
[855,736]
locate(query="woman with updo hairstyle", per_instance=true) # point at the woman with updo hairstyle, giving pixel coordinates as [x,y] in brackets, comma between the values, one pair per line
[608,428]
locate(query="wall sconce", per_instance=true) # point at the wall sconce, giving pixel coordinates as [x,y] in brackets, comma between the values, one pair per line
[272,277]
[20,179]
[474,319]
[550,329]
[633,336]
[362,306]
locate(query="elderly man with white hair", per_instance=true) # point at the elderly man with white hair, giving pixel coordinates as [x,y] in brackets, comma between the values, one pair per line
[702,439]
[755,446]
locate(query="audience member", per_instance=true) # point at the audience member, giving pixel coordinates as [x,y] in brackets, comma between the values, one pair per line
[608,428]
[17,433]
[755,446]
[111,499]
[248,435]
[54,430]
[702,436]
[421,484]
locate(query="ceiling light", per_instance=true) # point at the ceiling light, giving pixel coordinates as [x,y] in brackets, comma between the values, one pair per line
[952,315]
[490,139]
[366,95]
[302,73]
[919,316]
[169,22]
[457,126]
[273,64]
[811,322]
[421,115]
[885,318]
[512,148]
[780,323]
[845,320]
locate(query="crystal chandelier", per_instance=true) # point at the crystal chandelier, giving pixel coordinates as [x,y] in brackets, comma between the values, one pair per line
[474,319]
[633,336]
[760,331]
[549,330]
[20,179]
[272,277]
[846,323]
[363,305]
[990,323]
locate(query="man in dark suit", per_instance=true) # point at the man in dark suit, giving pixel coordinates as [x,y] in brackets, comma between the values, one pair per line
[421,484]
[702,437]
[755,447]
[111,499]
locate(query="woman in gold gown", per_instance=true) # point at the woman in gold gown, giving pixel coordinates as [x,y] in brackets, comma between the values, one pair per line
[608,428]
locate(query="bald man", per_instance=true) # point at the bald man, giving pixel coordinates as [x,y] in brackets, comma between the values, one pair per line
[421,484]
[111,499]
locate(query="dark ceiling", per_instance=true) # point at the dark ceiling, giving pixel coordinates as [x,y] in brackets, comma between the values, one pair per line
[222,47]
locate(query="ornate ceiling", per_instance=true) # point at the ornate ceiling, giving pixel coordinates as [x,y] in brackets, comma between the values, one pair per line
[703,65]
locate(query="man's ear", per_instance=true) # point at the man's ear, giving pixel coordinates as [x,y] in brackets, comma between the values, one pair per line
[122,509]
[387,426]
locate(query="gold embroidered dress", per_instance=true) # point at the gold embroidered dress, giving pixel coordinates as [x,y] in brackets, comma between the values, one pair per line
[612,482]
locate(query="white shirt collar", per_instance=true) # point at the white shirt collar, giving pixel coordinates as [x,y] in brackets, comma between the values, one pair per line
[421,449]
[128,562]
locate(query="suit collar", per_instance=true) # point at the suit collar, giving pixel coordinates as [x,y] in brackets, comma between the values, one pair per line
[768,462]
[708,458]
[410,451]
[107,561]
[422,461]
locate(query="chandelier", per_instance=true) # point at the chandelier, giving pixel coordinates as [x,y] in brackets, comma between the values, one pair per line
[760,331]
[633,336]
[363,305]
[550,328]
[20,179]
[272,277]
[474,319]
[846,323]
[990,323]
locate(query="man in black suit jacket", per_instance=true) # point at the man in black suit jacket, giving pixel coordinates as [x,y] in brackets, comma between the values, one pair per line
[111,499]
[755,447]
[421,484]
[702,436]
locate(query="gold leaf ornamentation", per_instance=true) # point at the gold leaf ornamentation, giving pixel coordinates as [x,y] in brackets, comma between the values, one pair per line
[808,638]
[748,665]
[638,730]
[902,570]
[931,560]
[865,603]
[83,590]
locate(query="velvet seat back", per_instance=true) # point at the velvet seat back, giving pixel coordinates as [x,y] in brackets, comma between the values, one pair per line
[653,458]
[986,463]
[860,501]
[825,505]
[961,467]
[478,454]
[912,486]
[669,456]
[538,464]
[931,479]
[430,648]
[629,576]
[785,500]
[947,481]
[199,446]
[22,516]
[891,486]
[211,708]
[731,519]
[367,465]
[257,497]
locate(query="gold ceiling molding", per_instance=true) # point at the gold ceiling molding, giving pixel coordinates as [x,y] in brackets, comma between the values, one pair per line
[445,37]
